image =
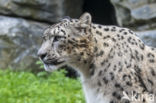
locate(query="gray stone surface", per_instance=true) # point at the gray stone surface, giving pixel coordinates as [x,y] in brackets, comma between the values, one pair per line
[145,12]
[19,41]
[43,10]
[136,13]
[148,37]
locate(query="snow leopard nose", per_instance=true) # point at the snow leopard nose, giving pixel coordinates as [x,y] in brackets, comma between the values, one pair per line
[42,55]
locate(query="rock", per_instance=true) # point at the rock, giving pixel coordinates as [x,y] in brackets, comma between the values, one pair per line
[148,37]
[145,12]
[42,10]
[19,41]
[136,13]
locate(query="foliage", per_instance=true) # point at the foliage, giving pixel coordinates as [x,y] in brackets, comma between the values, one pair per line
[26,87]
[40,64]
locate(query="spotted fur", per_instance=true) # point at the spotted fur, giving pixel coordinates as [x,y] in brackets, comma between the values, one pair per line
[111,60]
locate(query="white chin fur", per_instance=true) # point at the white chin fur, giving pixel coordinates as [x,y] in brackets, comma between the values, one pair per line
[50,68]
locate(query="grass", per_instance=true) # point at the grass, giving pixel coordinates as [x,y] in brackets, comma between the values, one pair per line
[26,87]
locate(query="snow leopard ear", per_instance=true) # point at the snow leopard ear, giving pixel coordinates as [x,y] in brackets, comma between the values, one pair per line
[85,20]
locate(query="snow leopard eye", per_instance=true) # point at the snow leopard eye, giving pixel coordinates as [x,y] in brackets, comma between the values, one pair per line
[56,38]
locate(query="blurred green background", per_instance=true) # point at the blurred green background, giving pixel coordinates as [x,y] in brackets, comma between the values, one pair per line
[22,23]
[26,87]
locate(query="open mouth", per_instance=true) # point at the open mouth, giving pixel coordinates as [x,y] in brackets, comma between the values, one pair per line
[53,62]
[56,62]
[52,65]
